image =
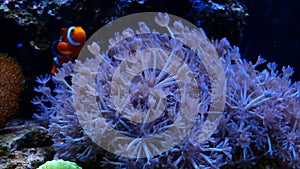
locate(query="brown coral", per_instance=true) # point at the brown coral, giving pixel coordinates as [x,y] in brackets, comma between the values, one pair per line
[11,85]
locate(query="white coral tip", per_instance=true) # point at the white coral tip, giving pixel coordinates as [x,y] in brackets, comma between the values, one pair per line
[162,19]
[128,33]
[178,26]
[144,28]
[94,48]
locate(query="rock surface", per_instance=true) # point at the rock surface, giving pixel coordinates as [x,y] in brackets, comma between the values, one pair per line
[24,145]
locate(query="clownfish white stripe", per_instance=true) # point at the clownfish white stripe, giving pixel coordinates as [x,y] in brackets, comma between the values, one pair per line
[55,59]
[70,38]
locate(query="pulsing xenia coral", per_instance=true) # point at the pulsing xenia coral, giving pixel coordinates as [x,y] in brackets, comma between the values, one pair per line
[157,70]
[262,111]
[260,123]
[58,113]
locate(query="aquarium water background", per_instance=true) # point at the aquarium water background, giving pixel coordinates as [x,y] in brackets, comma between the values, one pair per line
[266,28]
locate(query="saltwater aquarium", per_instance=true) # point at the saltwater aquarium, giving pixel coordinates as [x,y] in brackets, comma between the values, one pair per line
[132,84]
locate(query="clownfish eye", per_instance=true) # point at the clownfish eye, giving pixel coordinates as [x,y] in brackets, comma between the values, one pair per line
[72,30]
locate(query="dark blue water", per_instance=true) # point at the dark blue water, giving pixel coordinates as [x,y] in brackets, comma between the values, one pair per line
[273,32]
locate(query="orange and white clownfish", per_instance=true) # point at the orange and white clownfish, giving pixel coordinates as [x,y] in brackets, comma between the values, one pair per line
[67,48]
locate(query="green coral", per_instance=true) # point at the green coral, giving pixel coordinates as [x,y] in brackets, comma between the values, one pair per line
[59,164]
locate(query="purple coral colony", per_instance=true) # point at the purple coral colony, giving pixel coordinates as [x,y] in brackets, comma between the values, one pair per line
[171,89]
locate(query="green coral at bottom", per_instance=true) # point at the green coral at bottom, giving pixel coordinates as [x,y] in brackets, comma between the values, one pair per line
[59,164]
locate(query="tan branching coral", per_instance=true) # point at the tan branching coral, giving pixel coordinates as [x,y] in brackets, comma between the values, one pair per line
[11,85]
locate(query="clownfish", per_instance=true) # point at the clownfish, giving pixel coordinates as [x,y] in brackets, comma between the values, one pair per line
[68,46]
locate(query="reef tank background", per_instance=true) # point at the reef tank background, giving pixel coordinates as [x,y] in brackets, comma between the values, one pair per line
[268,28]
